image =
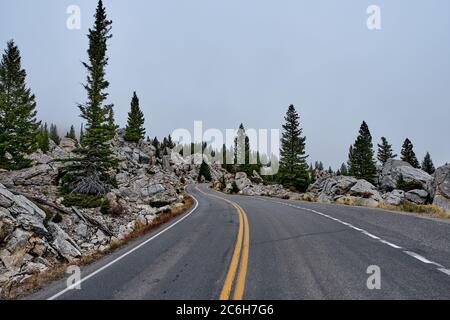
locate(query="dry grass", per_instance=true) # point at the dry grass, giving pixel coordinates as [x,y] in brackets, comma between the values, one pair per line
[424,210]
[308,197]
[37,281]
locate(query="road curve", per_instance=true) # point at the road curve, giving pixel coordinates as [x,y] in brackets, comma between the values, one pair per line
[294,250]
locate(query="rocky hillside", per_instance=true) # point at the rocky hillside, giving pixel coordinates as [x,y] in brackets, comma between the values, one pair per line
[39,230]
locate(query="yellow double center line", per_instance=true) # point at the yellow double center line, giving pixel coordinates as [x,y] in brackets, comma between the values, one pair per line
[237,272]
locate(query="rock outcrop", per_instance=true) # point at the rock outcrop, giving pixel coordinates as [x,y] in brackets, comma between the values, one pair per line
[344,189]
[29,243]
[441,188]
[33,240]
[394,169]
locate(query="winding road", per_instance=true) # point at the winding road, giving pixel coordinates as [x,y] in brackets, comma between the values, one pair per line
[237,247]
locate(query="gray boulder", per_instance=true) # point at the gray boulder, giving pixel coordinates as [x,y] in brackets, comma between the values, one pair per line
[417,196]
[366,190]
[441,188]
[394,198]
[63,243]
[242,181]
[67,144]
[393,169]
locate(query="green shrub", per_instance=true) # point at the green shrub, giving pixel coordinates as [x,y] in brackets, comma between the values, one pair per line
[204,172]
[82,201]
[105,206]
[407,186]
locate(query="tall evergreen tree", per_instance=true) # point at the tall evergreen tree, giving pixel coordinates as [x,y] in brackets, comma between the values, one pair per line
[18,125]
[204,172]
[71,134]
[43,139]
[385,151]
[135,130]
[88,175]
[318,165]
[408,154]
[343,170]
[242,152]
[361,156]
[54,135]
[293,169]
[427,164]
[157,145]
[81,134]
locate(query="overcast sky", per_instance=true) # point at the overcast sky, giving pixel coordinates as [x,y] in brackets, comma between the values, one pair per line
[232,61]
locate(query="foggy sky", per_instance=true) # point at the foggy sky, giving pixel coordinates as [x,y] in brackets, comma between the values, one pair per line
[232,61]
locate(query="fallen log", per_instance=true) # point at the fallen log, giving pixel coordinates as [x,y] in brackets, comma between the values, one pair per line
[86,218]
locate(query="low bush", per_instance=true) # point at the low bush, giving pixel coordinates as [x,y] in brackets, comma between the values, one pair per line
[407,186]
[84,201]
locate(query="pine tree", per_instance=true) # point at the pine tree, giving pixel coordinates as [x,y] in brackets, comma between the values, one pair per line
[343,170]
[71,134]
[408,154]
[293,169]
[18,125]
[170,143]
[88,175]
[427,164]
[204,172]
[242,152]
[361,156]
[135,130]
[318,166]
[385,151]
[81,134]
[54,135]
[312,174]
[43,139]
[157,145]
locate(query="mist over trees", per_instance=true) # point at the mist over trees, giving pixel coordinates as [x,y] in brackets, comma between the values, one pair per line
[87,173]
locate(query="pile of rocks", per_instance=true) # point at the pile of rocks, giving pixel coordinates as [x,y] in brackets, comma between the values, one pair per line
[33,240]
[427,188]
[252,186]
[29,242]
[344,189]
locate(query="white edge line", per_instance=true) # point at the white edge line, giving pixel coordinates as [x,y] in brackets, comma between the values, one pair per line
[125,254]
[423,259]
[446,271]
[410,253]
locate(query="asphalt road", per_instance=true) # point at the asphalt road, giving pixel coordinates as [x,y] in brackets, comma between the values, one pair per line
[237,247]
